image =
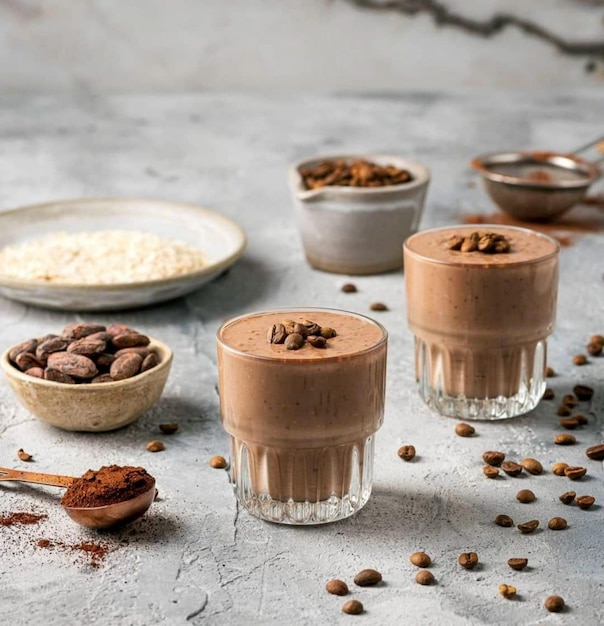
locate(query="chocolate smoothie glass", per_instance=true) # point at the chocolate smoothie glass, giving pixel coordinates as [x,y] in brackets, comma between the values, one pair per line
[481,304]
[302,421]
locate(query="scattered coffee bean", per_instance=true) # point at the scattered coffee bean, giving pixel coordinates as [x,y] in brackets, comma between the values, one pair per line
[568,497]
[468,560]
[583,392]
[570,400]
[525,496]
[564,411]
[156,446]
[490,472]
[557,523]
[493,457]
[504,520]
[579,359]
[511,468]
[528,527]
[353,607]
[594,348]
[218,462]
[317,342]
[169,428]
[464,430]
[336,587]
[421,559]
[349,288]
[565,439]
[294,341]
[554,604]
[507,591]
[407,453]
[575,472]
[367,578]
[549,372]
[424,577]
[378,306]
[532,466]
[581,419]
[558,468]
[596,453]
[24,456]
[518,564]
[570,423]
[597,339]
[585,502]
[549,394]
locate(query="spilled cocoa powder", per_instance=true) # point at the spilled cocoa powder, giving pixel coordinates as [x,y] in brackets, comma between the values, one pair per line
[10,519]
[110,484]
[94,551]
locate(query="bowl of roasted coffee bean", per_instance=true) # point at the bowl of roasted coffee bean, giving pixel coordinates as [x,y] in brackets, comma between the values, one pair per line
[355,211]
[88,377]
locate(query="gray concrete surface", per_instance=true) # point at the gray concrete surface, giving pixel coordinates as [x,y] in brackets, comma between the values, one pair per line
[196,558]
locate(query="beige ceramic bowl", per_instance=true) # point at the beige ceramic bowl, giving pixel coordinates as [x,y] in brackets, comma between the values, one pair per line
[93,407]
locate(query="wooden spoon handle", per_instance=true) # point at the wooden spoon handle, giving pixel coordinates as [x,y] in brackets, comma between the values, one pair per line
[35,477]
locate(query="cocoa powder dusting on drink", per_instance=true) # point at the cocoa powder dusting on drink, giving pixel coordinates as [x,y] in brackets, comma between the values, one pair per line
[109,485]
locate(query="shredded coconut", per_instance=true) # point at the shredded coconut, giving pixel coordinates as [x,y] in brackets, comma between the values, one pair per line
[101,257]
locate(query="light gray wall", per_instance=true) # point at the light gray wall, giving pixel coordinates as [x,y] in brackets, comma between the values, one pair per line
[102,46]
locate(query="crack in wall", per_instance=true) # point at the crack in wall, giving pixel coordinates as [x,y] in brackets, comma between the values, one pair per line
[497,23]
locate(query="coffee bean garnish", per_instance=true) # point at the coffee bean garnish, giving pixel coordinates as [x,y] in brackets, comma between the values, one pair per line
[575,472]
[549,394]
[558,468]
[317,342]
[424,577]
[327,332]
[557,523]
[565,439]
[554,604]
[532,466]
[421,559]
[301,330]
[312,328]
[218,462]
[570,423]
[504,520]
[349,288]
[493,457]
[156,446]
[525,496]
[507,591]
[294,341]
[24,456]
[353,607]
[511,468]
[596,453]
[579,359]
[549,372]
[489,243]
[336,587]
[528,527]
[517,564]
[378,306]
[367,578]
[490,472]
[568,497]
[407,453]
[464,430]
[468,560]
[585,502]
[564,411]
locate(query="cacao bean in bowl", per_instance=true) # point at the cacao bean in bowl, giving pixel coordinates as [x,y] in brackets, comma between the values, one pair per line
[355,211]
[91,406]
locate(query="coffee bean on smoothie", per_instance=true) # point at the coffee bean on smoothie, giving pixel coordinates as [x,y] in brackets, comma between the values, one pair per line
[420,559]
[294,341]
[504,520]
[583,392]
[565,439]
[518,563]
[549,394]
[554,604]
[276,334]
[585,502]
[464,430]
[596,453]
[493,457]
[532,466]
[407,453]
[353,607]
[336,587]
[327,332]
[511,468]
[317,342]
[568,497]
[557,523]
[580,359]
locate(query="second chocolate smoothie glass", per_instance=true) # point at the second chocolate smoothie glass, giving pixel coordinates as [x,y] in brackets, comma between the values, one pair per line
[302,396]
[481,304]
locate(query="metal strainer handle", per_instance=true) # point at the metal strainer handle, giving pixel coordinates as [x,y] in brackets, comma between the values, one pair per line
[589,145]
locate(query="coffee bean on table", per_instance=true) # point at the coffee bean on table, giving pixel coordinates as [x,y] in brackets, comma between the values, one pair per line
[490,472]
[517,563]
[349,288]
[168,428]
[549,372]
[580,419]
[568,497]
[569,423]
[378,306]
[528,527]
[218,462]
[594,348]
[424,577]
[549,394]
[504,520]
[596,453]
[558,468]
[353,607]
[564,411]
[464,430]
[532,466]
[585,502]
[565,439]
[468,560]
[525,496]
[421,559]
[407,453]
[493,457]
[579,359]
[367,578]
[336,587]
[583,392]
[575,472]
[507,591]
[570,400]
[511,468]
[554,604]
[25,456]
[156,446]
[557,523]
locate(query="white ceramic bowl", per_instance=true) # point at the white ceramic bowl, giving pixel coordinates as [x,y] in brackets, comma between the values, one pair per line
[358,230]
[92,407]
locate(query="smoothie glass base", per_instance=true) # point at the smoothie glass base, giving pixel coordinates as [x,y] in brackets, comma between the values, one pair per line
[302,486]
[481,385]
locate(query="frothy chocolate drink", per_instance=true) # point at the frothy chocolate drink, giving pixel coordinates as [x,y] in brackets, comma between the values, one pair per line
[302,421]
[481,318]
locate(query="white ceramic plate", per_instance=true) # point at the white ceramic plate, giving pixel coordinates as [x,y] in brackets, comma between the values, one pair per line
[221,239]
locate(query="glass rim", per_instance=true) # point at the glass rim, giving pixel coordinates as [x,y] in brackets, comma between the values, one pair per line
[233,320]
[475,227]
